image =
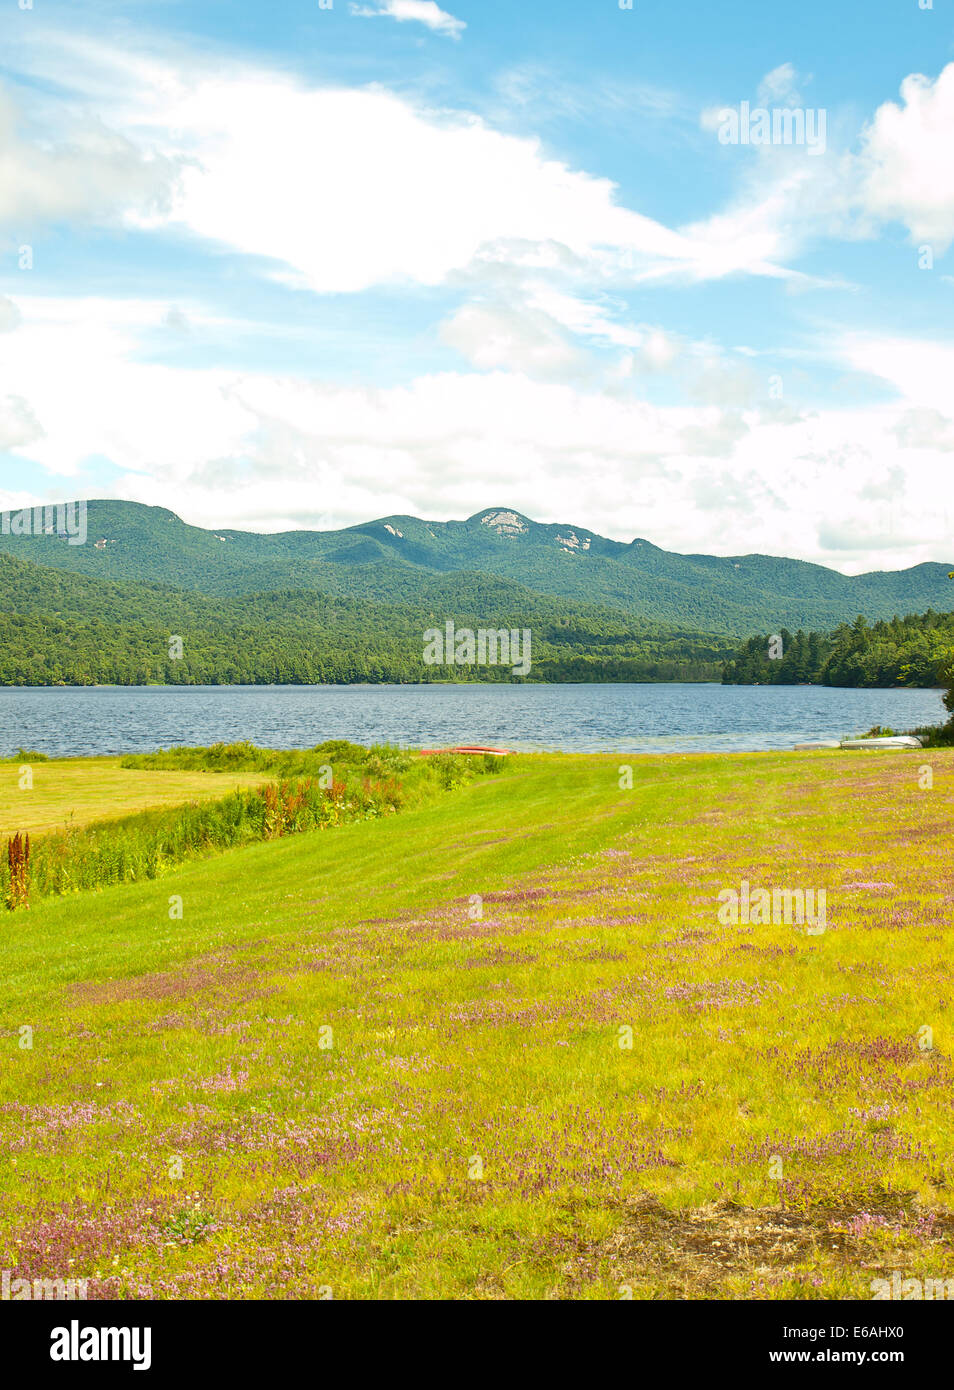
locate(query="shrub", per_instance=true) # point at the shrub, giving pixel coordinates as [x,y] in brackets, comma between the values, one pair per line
[18,865]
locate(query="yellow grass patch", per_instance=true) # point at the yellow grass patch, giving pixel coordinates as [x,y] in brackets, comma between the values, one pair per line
[77,791]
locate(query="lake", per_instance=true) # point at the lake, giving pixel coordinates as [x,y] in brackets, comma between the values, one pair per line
[677,718]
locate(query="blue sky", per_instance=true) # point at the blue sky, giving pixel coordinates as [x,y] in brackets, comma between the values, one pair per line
[302,266]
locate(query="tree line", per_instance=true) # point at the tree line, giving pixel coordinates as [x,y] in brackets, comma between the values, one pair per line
[915,651]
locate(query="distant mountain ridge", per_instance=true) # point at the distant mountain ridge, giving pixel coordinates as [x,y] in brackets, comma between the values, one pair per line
[393,558]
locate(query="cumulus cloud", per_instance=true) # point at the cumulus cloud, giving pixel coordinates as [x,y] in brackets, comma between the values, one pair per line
[898,168]
[925,429]
[656,352]
[10,315]
[404,194]
[885,486]
[908,169]
[344,189]
[307,177]
[551,334]
[716,434]
[89,172]
[18,424]
[424,12]
[521,339]
[265,451]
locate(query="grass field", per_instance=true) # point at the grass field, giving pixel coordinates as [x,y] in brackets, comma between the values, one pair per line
[77,791]
[390,1060]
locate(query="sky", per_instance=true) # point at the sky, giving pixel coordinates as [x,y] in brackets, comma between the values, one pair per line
[309,264]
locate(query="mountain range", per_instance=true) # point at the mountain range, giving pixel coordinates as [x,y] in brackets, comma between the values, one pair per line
[408,561]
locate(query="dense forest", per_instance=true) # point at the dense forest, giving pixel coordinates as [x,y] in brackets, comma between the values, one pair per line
[64,626]
[914,651]
[59,628]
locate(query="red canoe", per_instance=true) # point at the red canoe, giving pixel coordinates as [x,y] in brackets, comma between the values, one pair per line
[497,752]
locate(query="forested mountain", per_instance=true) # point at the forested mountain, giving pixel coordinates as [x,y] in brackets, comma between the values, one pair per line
[58,627]
[392,561]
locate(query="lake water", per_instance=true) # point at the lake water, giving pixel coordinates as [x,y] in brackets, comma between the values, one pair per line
[70,722]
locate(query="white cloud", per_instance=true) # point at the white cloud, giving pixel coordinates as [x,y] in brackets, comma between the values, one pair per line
[72,362]
[89,172]
[583,317]
[907,159]
[268,452]
[715,435]
[657,351]
[419,11]
[777,88]
[346,189]
[356,188]
[553,335]
[900,169]
[10,315]
[519,338]
[925,429]
[18,425]
[920,370]
[779,85]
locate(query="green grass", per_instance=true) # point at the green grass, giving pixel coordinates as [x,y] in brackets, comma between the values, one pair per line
[775,1130]
[306,790]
